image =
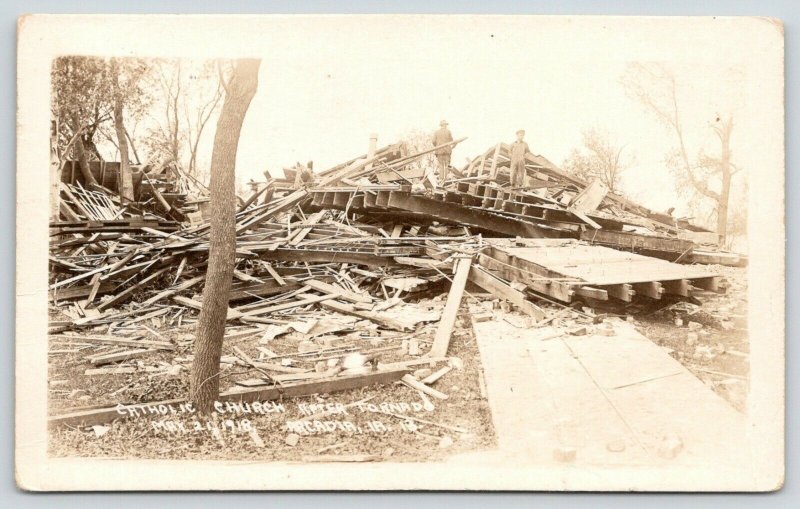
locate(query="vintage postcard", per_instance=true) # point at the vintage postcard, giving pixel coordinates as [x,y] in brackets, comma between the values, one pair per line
[400,253]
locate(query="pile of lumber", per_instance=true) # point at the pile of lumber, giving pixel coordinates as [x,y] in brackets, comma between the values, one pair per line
[341,256]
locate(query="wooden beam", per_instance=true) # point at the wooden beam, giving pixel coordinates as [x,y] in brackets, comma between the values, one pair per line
[678,287]
[623,292]
[423,263]
[442,339]
[174,290]
[337,290]
[651,289]
[592,293]
[166,206]
[495,155]
[517,269]
[410,381]
[288,390]
[308,225]
[710,283]
[110,358]
[116,341]
[341,307]
[500,289]
[272,272]
[122,296]
[287,305]
[194,304]
[589,198]
[77,292]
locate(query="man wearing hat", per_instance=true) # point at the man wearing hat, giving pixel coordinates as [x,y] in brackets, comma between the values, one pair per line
[441,137]
[518,150]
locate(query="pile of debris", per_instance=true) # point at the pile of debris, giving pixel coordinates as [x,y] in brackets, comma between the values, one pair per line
[346,261]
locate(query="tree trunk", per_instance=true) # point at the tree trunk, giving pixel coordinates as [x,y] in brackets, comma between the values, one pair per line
[725,175]
[125,177]
[55,175]
[80,152]
[724,196]
[211,324]
[133,146]
[722,209]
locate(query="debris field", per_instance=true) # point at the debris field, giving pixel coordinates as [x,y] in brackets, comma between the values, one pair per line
[353,295]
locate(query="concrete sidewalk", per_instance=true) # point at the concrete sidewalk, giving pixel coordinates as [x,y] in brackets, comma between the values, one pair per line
[611,401]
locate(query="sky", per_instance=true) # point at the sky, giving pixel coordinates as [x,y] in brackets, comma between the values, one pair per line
[327,83]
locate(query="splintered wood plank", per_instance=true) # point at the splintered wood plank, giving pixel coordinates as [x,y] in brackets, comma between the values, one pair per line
[186,301]
[410,381]
[309,224]
[380,319]
[116,341]
[122,296]
[590,198]
[95,284]
[100,360]
[442,339]
[334,290]
[174,290]
[287,305]
[499,289]
[495,155]
[321,386]
[272,272]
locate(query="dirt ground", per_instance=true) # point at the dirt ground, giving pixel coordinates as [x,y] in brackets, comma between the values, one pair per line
[709,337]
[358,433]
[711,340]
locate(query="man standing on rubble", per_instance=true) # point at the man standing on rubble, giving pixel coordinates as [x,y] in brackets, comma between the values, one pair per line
[518,151]
[442,137]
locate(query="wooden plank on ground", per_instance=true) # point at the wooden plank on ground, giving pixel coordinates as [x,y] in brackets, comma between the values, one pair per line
[410,381]
[442,339]
[305,388]
[117,341]
[100,360]
[122,296]
[174,290]
[343,293]
[186,301]
[388,322]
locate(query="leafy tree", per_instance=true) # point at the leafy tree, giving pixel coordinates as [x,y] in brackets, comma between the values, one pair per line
[703,176]
[89,93]
[600,159]
[190,94]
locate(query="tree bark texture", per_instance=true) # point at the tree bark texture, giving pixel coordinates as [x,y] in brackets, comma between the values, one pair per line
[211,325]
[80,152]
[125,177]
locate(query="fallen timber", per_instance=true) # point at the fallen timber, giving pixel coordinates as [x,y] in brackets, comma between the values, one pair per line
[353,244]
[276,392]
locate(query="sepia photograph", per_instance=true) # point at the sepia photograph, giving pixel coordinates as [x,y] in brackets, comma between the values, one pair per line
[400,252]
